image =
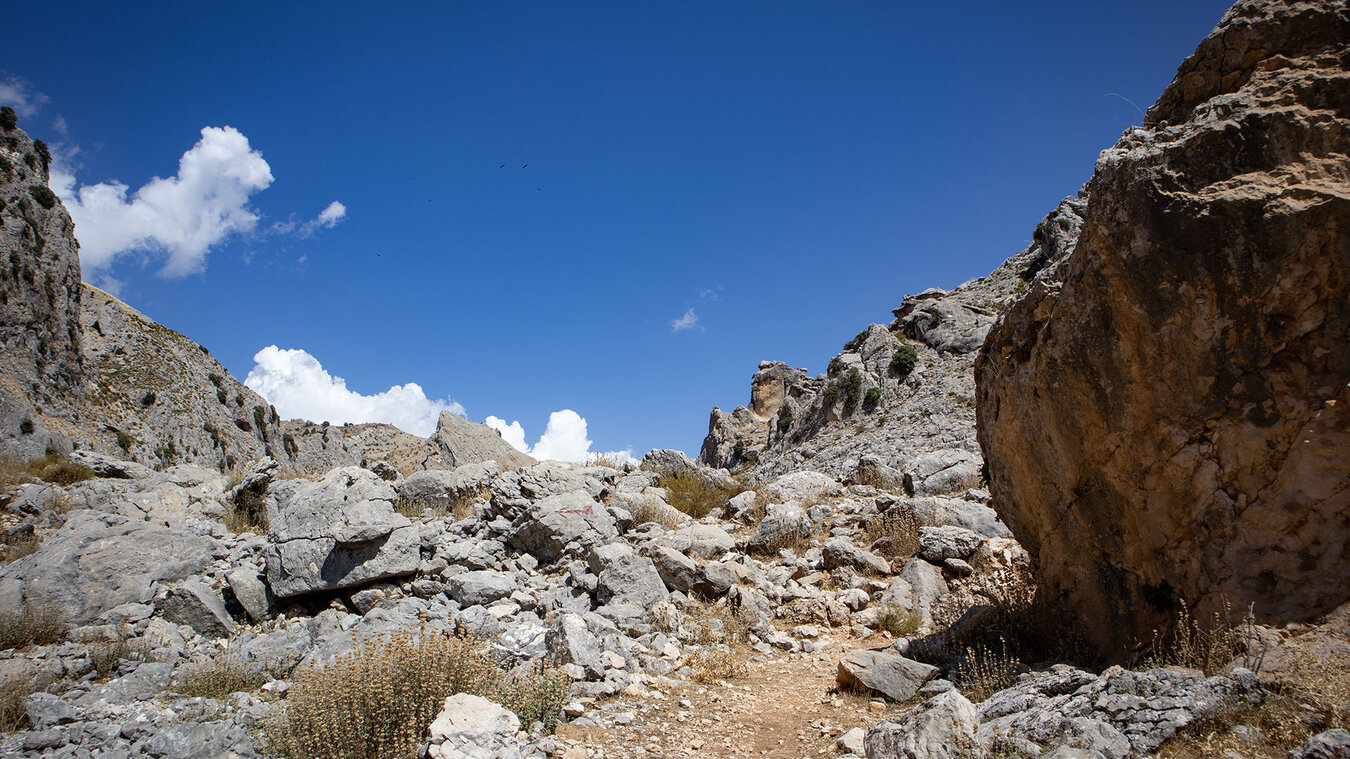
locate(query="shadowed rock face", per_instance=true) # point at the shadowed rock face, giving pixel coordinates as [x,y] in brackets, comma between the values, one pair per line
[1165,413]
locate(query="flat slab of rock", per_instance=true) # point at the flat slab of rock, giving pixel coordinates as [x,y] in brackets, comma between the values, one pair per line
[885,672]
[96,562]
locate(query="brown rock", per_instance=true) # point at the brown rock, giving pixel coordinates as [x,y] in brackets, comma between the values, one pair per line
[1166,412]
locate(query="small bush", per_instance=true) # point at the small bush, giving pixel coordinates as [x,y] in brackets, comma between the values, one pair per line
[784,420]
[535,695]
[43,153]
[836,366]
[8,119]
[31,624]
[713,624]
[378,699]
[695,496]
[105,654]
[897,620]
[148,399]
[852,384]
[894,534]
[56,469]
[1208,645]
[856,342]
[651,511]
[249,513]
[904,360]
[13,548]
[16,686]
[44,196]
[981,671]
[215,378]
[26,426]
[871,398]
[125,441]
[830,395]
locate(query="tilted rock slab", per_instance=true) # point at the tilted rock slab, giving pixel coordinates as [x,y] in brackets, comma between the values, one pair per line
[1166,413]
[336,533]
[99,561]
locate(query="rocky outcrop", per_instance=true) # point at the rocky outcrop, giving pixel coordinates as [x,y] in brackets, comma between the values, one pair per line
[873,411]
[1166,412]
[458,441]
[40,364]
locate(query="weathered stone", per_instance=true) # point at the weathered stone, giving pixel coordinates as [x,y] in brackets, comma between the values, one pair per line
[626,577]
[458,441]
[1166,413]
[885,672]
[336,533]
[840,552]
[943,727]
[480,587]
[783,526]
[192,603]
[939,543]
[804,486]
[550,524]
[96,562]
[946,471]
[251,593]
[1331,744]
[471,727]
[569,641]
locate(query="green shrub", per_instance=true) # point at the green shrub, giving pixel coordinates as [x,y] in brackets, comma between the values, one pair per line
[856,342]
[44,196]
[125,441]
[897,620]
[830,395]
[872,398]
[851,385]
[8,119]
[695,496]
[784,420]
[904,360]
[836,366]
[43,152]
[26,426]
[148,399]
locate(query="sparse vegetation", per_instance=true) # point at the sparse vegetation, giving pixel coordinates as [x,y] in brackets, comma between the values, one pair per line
[15,686]
[125,441]
[31,624]
[56,469]
[871,398]
[856,342]
[220,676]
[105,654]
[1207,644]
[695,496]
[44,196]
[148,399]
[893,534]
[650,510]
[26,426]
[852,385]
[784,420]
[904,360]
[897,620]
[713,665]
[15,547]
[981,671]
[607,460]
[836,366]
[8,119]
[378,699]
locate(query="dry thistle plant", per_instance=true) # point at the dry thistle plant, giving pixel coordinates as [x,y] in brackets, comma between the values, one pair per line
[1208,645]
[894,534]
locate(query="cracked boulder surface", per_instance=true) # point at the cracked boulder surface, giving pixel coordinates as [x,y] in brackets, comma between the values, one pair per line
[1166,412]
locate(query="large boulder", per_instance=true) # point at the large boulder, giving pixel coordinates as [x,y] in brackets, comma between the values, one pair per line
[99,561]
[1166,412]
[885,672]
[625,577]
[943,727]
[458,441]
[339,532]
[551,524]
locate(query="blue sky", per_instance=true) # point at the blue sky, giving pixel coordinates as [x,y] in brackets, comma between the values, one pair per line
[775,175]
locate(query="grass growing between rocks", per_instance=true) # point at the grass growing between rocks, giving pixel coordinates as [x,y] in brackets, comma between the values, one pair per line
[456,506]
[1309,695]
[56,469]
[694,496]
[15,547]
[981,671]
[31,624]
[897,620]
[15,686]
[652,511]
[106,653]
[713,665]
[378,699]
[894,534]
[219,677]
[1207,644]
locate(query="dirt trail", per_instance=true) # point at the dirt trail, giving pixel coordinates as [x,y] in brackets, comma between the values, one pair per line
[785,707]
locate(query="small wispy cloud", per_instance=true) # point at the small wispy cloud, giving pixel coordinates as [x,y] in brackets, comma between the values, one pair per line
[18,94]
[710,294]
[688,321]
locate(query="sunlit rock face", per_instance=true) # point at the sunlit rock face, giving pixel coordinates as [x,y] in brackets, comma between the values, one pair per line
[1166,412]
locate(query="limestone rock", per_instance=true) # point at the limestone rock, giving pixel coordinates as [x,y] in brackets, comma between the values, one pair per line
[885,672]
[626,577]
[192,603]
[936,544]
[339,532]
[1166,412]
[1331,744]
[96,562]
[471,727]
[551,524]
[943,727]
[458,441]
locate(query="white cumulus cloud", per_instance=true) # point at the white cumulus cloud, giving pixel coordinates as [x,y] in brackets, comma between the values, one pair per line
[331,215]
[183,215]
[298,385]
[688,321]
[564,437]
[19,95]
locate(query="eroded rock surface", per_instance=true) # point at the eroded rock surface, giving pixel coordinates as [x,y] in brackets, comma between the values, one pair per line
[1166,413]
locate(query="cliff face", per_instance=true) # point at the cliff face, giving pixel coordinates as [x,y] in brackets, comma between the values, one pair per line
[795,421]
[1166,413]
[40,361]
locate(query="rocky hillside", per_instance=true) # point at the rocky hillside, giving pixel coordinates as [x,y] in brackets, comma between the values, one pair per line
[1166,412]
[909,411]
[40,358]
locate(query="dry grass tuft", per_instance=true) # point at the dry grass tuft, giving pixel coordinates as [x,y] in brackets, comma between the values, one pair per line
[105,654]
[31,624]
[649,510]
[894,534]
[713,665]
[15,686]
[378,699]
[58,470]
[15,547]
[606,460]
[897,620]
[695,497]
[717,623]
[1208,645]
[219,677]
[13,472]
[457,506]
[981,671]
